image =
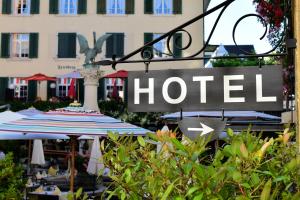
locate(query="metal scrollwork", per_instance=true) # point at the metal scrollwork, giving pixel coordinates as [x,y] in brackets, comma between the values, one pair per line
[265,25]
[147,51]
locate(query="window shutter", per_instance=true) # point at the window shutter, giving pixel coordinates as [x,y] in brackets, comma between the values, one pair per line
[81,90]
[6,6]
[3,88]
[66,45]
[119,45]
[5,45]
[101,89]
[177,44]
[35,7]
[148,37]
[101,6]
[32,90]
[33,45]
[125,89]
[82,6]
[115,45]
[53,6]
[129,7]
[177,7]
[148,6]
[110,46]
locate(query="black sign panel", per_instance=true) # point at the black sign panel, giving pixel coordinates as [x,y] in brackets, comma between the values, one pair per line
[229,88]
[202,126]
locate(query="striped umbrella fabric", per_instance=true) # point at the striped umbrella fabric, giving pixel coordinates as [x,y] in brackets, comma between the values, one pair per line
[71,123]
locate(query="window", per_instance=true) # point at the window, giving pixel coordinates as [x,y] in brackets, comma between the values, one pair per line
[68,7]
[163,7]
[115,45]
[160,47]
[116,7]
[66,45]
[20,45]
[20,88]
[63,87]
[22,7]
[110,83]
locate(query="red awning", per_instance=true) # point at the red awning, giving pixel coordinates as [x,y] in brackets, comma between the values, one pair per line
[39,77]
[118,74]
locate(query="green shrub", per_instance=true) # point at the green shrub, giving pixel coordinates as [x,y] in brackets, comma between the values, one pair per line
[247,167]
[11,182]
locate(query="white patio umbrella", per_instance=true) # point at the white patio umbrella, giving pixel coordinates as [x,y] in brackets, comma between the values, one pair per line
[96,160]
[38,157]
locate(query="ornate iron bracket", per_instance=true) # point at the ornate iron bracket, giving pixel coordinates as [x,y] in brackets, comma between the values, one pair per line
[146,51]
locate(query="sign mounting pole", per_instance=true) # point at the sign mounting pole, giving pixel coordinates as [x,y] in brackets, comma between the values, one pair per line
[296,16]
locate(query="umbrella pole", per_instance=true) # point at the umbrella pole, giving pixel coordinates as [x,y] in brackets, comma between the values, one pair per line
[72,163]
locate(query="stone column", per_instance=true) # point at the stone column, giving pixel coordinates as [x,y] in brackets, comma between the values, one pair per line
[91,77]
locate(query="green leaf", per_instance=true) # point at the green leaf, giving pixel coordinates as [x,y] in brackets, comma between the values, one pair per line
[198,197]
[187,168]
[230,132]
[246,185]
[178,144]
[265,195]
[123,195]
[168,191]
[78,193]
[192,190]
[114,137]
[237,176]
[127,175]
[141,141]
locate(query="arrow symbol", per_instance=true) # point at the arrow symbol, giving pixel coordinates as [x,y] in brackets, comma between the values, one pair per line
[205,129]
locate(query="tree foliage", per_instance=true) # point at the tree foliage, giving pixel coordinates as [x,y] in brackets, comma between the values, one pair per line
[11,182]
[248,167]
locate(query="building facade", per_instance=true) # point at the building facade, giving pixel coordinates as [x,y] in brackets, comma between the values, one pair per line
[39,36]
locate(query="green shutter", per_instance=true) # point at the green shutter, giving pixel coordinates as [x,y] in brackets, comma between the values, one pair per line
[3,88]
[35,7]
[177,45]
[50,91]
[101,6]
[33,45]
[5,45]
[177,7]
[6,6]
[115,45]
[101,89]
[81,90]
[125,89]
[82,6]
[119,44]
[32,90]
[148,37]
[110,46]
[53,6]
[66,45]
[129,7]
[148,6]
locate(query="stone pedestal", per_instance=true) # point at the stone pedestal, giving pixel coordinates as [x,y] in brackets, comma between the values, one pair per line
[91,77]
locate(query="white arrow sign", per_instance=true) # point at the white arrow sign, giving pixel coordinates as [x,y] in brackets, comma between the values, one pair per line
[205,129]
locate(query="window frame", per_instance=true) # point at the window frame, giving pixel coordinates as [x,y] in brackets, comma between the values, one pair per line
[60,83]
[15,7]
[108,8]
[109,86]
[164,44]
[61,8]
[163,10]
[18,85]
[19,42]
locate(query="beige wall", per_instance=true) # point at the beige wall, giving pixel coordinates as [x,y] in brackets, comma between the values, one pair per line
[133,26]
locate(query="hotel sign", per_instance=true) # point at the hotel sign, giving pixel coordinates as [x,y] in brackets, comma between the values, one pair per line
[229,88]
